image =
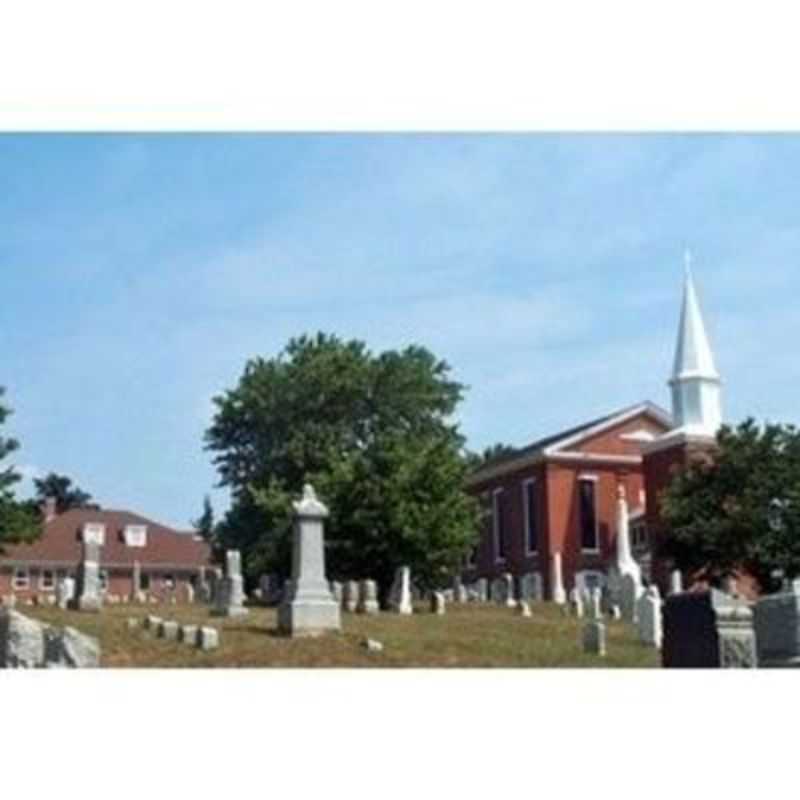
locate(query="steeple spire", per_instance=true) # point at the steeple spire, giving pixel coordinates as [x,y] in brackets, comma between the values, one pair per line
[695,381]
[693,354]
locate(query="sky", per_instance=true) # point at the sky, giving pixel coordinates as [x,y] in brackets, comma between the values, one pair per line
[139,273]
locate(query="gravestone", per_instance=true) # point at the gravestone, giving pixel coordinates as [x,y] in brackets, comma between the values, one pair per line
[523,609]
[350,598]
[437,603]
[630,592]
[497,591]
[576,602]
[337,591]
[229,597]
[266,583]
[707,629]
[27,643]
[368,597]
[169,630]
[152,623]
[594,630]
[188,634]
[203,594]
[207,638]
[481,588]
[648,613]
[310,609]
[190,593]
[777,625]
[675,582]
[400,593]
[530,587]
[557,592]
[133,623]
[459,590]
[89,595]
[65,592]
[508,590]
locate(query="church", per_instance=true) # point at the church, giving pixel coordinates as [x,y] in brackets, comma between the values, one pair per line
[552,507]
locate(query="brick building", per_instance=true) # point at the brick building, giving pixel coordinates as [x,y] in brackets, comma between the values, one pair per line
[168,559]
[559,495]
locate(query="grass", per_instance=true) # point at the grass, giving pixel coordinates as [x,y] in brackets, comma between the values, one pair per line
[467,636]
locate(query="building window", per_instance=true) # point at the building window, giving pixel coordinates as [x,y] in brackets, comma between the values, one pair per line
[103,580]
[21,579]
[95,533]
[144,581]
[639,535]
[47,580]
[135,535]
[498,524]
[588,514]
[531,516]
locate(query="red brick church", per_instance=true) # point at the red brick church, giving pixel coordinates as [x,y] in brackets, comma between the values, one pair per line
[559,495]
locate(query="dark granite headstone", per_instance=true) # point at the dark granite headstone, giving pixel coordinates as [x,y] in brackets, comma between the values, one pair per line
[707,630]
[777,622]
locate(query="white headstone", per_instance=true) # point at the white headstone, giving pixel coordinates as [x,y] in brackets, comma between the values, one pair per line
[459,590]
[649,617]
[523,609]
[311,609]
[350,597]
[675,582]
[400,594]
[368,597]
[557,591]
[576,602]
[632,590]
[437,603]
[229,593]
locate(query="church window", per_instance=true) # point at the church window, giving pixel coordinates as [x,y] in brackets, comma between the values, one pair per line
[531,516]
[498,524]
[588,514]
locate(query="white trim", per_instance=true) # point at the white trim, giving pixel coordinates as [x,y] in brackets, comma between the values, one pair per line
[596,549]
[594,458]
[675,438]
[498,559]
[555,450]
[643,408]
[27,579]
[588,476]
[526,513]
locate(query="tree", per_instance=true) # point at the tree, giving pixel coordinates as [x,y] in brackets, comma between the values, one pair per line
[739,509]
[372,433]
[18,520]
[495,452]
[61,489]
[204,524]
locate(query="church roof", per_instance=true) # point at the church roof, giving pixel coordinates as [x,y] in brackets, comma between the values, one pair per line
[693,355]
[550,444]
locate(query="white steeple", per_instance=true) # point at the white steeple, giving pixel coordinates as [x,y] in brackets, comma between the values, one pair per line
[695,382]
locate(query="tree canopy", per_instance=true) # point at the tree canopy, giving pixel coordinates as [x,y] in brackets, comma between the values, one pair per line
[740,509]
[18,520]
[374,435]
[63,491]
[205,524]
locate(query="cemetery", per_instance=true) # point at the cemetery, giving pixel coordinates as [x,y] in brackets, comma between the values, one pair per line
[316,622]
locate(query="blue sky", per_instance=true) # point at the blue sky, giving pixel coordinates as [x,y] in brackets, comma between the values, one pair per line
[138,274]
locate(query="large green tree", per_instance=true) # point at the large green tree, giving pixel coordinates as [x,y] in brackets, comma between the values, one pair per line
[61,489]
[18,520]
[375,436]
[740,508]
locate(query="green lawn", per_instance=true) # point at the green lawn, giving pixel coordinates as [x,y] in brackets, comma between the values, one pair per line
[467,636]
